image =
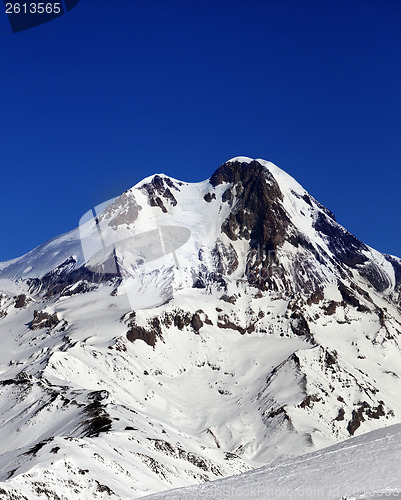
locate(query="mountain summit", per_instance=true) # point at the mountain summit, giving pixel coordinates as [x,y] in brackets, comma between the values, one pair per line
[185,332]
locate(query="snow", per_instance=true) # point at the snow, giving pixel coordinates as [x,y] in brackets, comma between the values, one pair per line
[366,467]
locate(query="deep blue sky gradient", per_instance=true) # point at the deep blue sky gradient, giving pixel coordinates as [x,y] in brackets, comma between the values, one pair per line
[117,90]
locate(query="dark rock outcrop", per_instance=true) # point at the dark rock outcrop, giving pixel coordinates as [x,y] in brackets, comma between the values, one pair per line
[344,245]
[97,419]
[365,410]
[42,319]
[299,325]
[20,301]
[257,214]
[60,279]
[148,335]
[209,197]
[159,194]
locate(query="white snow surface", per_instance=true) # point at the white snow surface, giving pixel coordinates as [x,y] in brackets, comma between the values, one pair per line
[366,467]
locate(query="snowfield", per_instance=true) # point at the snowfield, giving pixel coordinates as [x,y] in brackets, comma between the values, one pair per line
[366,467]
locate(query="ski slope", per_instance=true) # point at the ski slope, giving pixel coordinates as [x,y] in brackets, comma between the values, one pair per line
[366,467]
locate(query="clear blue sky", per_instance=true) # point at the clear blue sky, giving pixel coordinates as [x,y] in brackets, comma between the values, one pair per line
[117,90]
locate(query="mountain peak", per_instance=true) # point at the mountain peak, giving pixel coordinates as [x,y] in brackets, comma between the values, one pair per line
[239,169]
[255,198]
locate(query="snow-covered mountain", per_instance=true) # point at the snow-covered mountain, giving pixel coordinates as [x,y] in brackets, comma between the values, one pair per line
[186,332]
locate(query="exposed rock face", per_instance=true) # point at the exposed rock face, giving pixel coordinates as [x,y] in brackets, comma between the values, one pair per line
[148,333]
[153,329]
[299,324]
[140,333]
[257,214]
[20,301]
[127,210]
[396,263]
[42,319]
[209,197]
[344,245]
[96,418]
[364,410]
[196,322]
[350,251]
[159,193]
[226,258]
[61,279]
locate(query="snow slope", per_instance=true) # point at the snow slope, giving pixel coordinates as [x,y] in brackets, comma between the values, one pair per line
[365,467]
